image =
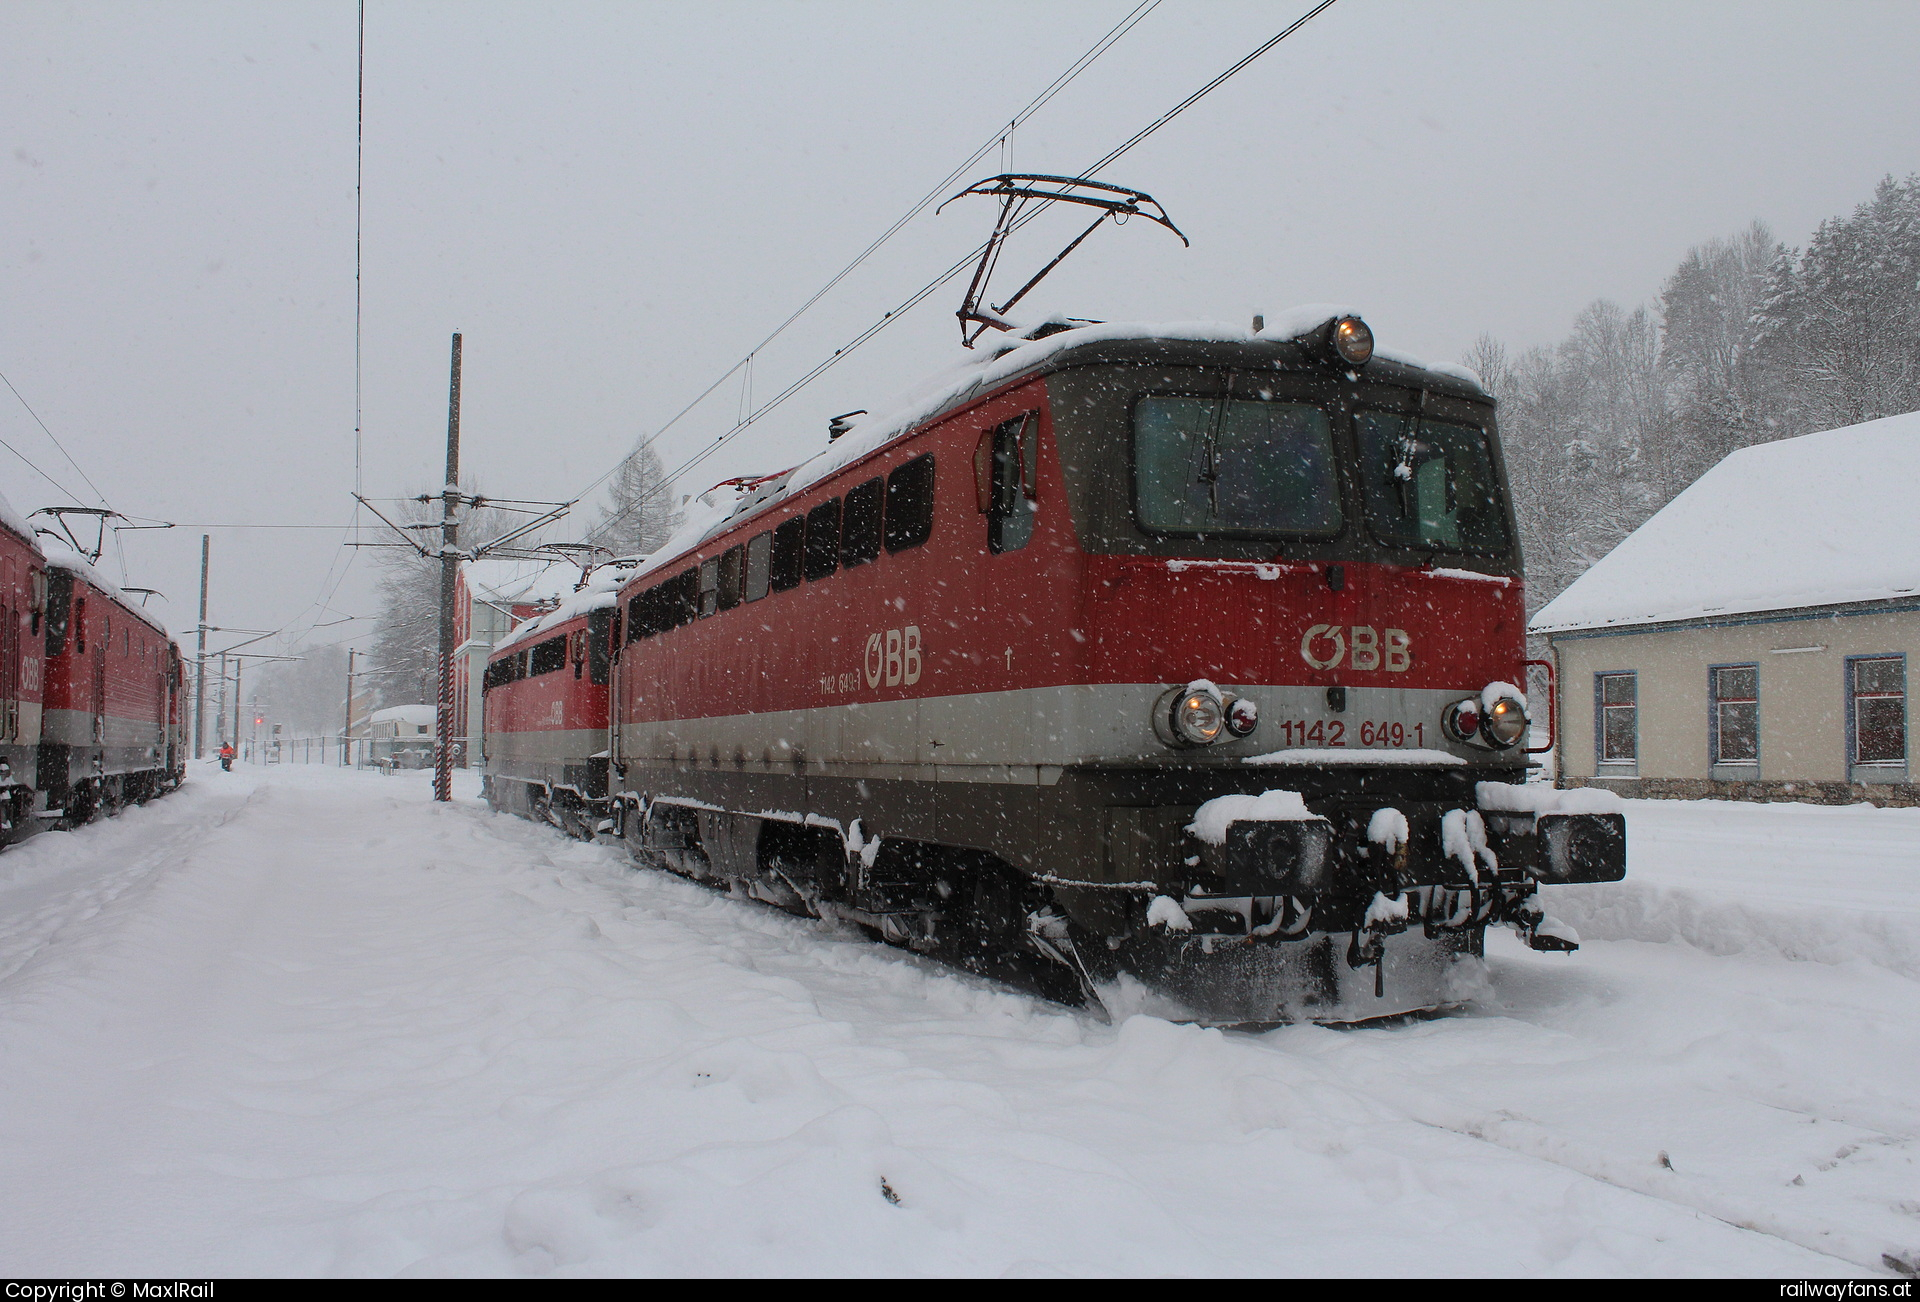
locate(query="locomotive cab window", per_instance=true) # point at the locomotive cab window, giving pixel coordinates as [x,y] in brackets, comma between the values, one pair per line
[759,562]
[732,576]
[1006,473]
[787,561]
[860,524]
[823,539]
[549,656]
[683,598]
[910,504]
[1430,484]
[1234,467]
[601,635]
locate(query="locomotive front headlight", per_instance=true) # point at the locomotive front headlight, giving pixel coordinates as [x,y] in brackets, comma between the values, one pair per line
[1198,719]
[1352,341]
[1505,722]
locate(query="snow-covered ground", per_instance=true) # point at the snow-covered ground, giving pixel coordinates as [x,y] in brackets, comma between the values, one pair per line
[305,1022]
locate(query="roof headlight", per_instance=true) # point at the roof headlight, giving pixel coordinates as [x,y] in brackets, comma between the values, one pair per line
[1352,341]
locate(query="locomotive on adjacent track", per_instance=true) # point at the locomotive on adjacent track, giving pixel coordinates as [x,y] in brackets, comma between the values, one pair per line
[1188,654]
[91,690]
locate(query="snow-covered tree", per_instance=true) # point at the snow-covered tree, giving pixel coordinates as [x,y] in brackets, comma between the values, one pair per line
[640,511]
[405,656]
[1707,309]
[1838,333]
[1751,342]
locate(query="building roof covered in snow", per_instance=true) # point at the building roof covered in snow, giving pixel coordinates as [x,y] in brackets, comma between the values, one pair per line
[602,591]
[403,714]
[1825,519]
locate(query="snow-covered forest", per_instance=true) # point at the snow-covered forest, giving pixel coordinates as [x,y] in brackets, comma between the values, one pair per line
[1748,341]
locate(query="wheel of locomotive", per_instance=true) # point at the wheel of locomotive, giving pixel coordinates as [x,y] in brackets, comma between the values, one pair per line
[83,804]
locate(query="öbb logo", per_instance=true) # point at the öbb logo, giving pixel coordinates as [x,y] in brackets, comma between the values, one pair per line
[1359,645]
[893,657]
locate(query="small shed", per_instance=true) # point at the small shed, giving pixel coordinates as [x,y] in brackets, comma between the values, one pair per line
[1751,640]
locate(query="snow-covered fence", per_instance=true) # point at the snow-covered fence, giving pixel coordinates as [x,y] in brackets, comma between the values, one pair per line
[355,752]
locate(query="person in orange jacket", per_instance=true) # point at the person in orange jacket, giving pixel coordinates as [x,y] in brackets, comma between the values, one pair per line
[226,756]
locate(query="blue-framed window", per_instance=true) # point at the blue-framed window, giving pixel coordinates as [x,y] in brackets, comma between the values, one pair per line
[1877,715]
[1733,716]
[1616,719]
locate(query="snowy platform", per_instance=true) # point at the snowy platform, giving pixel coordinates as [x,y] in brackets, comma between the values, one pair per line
[305,1022]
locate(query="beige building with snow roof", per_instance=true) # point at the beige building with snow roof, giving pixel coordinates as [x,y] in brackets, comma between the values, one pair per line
[1752,640]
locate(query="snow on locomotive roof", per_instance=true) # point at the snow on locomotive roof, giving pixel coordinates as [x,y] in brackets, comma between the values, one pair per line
[15,521]
[520,581]
[1001,359]
[62,557]
[1821,520]
[602,590]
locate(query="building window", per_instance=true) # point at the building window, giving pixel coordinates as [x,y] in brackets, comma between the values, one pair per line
[1877,717]
[1734,721]
[1617,729]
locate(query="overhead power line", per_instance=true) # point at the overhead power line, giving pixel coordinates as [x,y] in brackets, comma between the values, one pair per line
[925,291]
[98,495]
[1133,19]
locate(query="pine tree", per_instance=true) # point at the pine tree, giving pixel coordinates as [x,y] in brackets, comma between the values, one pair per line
[406,636]
[640,512]
[1707,342]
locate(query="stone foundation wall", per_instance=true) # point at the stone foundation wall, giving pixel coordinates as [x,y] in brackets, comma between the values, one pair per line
[1887,795]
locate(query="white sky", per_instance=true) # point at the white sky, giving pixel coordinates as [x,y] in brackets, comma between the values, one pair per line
[614,201]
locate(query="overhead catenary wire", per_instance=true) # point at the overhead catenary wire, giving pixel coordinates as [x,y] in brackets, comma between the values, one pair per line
[1106,42]
[98,495]
[924,292]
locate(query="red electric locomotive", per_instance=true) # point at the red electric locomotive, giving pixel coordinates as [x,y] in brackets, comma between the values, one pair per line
[23,590]
[91,700]
[1180,653]
[111,724]
[546,709]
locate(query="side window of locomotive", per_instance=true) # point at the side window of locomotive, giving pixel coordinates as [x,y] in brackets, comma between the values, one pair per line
[910,504]
[549,656]
[600,643]
[759,566]
[823,539]
[637,613]
[860,524]
[733,564]
[59,610]
[709,586]
[80,626]
[1233,467]
[1431,484]
[787,565]
[1006,471]
[683,601]
[578,651]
